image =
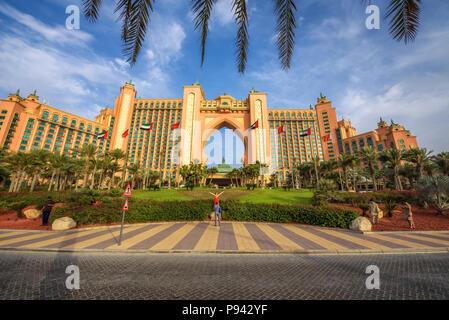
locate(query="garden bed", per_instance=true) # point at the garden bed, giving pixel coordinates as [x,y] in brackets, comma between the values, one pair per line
[425,220]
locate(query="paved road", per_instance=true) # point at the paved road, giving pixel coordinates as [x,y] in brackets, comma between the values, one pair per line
[41,275]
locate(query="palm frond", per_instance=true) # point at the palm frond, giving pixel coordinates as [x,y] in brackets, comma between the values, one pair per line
[202,9]
[241,41]
[91,9]
[285,30]
[125,14]
[404,19]
[136,16]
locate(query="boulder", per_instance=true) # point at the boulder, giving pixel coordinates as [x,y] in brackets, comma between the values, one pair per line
[31,212]
[361,224]
[64,223]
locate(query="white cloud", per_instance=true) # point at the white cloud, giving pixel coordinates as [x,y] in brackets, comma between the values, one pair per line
[222,12]
[58,34]
[165,43]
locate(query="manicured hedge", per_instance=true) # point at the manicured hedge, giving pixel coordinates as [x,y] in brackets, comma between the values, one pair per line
[144,211]
[380,196]
[325,216]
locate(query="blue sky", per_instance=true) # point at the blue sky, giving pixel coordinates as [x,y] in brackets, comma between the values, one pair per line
[363,72]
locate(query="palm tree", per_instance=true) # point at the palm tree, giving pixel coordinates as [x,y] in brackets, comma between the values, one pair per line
[370,155]
[420,158]
[135,17]
[345,162]
[393,158]
[18,163]
[39,159]
[87,152]
[116,156]
[442,161]
[135,172]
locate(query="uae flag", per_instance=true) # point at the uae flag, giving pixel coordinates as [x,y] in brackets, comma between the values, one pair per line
[280,129]
[175,126]
[102,135]
[255,125]
[146,126]
[305,133]
[125,134]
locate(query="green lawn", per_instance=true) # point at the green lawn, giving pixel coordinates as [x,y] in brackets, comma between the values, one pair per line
[256,196]
[302,196]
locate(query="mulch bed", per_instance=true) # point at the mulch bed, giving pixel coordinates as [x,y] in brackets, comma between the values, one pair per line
[9,220]
[425,220]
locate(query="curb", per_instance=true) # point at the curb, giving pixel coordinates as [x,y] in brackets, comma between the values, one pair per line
[239,252]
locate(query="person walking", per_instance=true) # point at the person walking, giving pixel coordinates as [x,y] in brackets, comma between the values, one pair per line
[47,210]
[374,211]
[407,211]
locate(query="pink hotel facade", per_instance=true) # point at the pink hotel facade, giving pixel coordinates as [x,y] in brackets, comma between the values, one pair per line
[27,124]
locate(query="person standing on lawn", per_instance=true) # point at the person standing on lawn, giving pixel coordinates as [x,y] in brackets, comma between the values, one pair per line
[217,209]
[216,196]
[407,211]
[374,211]
[47,210]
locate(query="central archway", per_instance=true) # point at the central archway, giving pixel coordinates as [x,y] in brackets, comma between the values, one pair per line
[237,130]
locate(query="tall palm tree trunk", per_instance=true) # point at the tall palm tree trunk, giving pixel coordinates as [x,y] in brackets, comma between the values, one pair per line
[33,183]
[112,180]
[92,182]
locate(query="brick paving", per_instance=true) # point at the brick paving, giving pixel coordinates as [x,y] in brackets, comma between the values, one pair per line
[41,275]
[230,237]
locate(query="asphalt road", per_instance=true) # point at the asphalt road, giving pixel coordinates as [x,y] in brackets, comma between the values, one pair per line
[42,275]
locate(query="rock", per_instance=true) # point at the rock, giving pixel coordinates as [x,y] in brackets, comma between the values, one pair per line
[65,223]
[361,224]
[32,213]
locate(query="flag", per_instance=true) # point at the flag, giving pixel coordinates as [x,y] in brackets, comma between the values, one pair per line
[146,126]
[125,134]
[175,126]
[304,133]
[102,135]
[255,125]
[280,129]
[327,137]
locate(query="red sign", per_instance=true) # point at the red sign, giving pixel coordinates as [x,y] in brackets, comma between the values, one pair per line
[125,206]
[127,192]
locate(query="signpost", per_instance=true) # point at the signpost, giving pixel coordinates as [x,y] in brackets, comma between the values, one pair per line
[126,194]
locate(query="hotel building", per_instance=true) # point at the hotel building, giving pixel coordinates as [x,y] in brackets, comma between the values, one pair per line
[27,124]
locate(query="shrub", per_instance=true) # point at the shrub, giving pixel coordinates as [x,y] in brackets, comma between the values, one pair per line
[325,216]
[324,193]
[390,206]
[145,211]
[250,186]
[84,197]
[356,198]
[116,192]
